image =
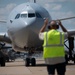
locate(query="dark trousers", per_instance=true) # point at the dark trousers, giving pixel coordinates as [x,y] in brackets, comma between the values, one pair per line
[61,69]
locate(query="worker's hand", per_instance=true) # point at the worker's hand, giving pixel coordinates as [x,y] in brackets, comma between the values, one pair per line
[59,22]
[46,21]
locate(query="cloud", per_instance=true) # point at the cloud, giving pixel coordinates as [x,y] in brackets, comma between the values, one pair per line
[74,23]
[9,7]
[6,10]
[55,1]
[57,7]
[57,15]
[70,23]
[53,6]
[49,1]
[72,0]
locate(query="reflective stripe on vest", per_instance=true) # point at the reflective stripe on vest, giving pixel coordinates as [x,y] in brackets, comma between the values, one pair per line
[53,45]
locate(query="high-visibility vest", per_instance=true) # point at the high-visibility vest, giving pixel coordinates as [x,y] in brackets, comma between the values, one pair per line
[53,44]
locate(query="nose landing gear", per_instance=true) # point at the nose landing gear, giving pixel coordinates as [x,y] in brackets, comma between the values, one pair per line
[30,61]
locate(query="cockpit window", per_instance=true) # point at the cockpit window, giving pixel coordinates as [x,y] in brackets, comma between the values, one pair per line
[38,15]
[31,15]
[23,15]
[17,16]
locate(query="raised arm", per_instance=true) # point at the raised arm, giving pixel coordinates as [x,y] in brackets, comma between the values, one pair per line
[44,26]
[62,27]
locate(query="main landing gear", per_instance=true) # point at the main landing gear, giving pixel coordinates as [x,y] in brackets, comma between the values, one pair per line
[70,55]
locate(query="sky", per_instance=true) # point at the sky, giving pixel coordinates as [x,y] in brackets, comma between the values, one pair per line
[57,9]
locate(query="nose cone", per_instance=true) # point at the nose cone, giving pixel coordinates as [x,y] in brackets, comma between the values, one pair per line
[25,23]
[20,24]
[29,21]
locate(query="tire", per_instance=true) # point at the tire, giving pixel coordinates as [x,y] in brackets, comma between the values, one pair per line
[7,58]
[74,58]
[27,62]
[33,62]
[66,58]
[2,62]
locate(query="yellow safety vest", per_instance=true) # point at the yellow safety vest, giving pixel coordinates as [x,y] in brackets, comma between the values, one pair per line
[53,44]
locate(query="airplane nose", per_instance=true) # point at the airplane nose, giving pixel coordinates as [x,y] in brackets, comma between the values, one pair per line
[28,22]
[24,24]
[21,24]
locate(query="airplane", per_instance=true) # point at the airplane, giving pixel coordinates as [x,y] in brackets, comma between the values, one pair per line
[24,23]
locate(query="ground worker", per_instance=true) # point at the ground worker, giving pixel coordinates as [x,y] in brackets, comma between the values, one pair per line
[54,53]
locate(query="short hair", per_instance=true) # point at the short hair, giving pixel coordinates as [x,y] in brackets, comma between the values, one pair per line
[53,22]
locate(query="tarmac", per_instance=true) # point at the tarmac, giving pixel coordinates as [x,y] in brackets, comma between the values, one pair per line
[18,68]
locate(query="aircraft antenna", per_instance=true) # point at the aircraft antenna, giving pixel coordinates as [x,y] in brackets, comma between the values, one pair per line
[34,1]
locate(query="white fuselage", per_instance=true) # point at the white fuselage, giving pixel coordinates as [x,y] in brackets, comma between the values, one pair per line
[24,23]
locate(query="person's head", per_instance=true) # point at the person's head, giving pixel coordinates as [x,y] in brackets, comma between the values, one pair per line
[53,25]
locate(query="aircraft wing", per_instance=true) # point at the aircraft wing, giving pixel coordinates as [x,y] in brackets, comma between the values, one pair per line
[71,33]
[4,38]
[3,21]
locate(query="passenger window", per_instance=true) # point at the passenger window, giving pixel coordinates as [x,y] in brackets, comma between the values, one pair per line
[38,15]
[17,16]
[23,15]
[31,15]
